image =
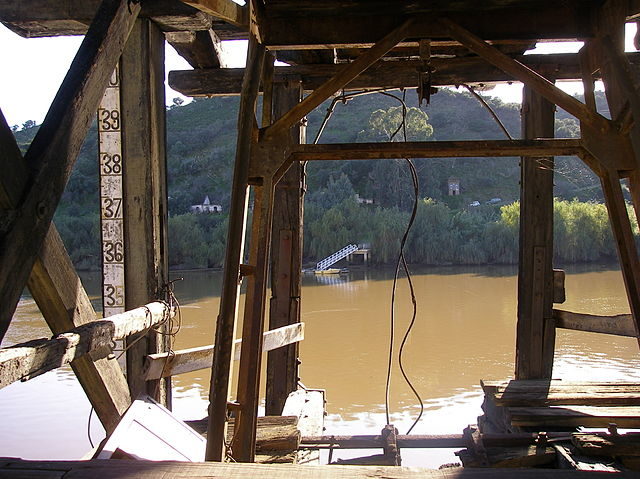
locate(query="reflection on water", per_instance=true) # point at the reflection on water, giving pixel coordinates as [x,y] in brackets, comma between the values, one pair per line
[465,331]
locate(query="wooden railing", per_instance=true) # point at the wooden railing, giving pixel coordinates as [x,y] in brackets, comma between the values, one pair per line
[27,360]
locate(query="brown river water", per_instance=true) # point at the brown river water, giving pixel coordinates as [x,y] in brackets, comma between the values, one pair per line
[464,332]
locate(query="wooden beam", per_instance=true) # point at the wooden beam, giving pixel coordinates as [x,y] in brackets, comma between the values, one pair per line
[226,322]
[145,194]
[338,81]
[625,243]
[10,161]
[437,149]
[243,445]
[527,76]
[193,359]
[56,145]
[337,30]
[620,324]
[64,303]
[226,10]
[27,360]
[535,338]
[202,48]
[21,469]
[286,261]
[382,74]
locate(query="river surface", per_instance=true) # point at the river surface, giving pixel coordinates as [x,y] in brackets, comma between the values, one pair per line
[464,332]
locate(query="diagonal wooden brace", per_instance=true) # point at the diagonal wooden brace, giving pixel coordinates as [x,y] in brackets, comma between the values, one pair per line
[53,151]
[338,81]
[64,303]
[524,74]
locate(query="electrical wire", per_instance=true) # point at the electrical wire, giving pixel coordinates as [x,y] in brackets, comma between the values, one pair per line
[401,257]
[402,262]
[489,109]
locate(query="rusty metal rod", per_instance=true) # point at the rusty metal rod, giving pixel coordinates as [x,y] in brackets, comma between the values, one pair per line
[423,441]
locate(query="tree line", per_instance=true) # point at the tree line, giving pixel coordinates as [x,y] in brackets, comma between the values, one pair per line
[200,151]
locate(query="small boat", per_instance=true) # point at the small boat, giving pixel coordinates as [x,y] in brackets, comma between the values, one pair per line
[328,271]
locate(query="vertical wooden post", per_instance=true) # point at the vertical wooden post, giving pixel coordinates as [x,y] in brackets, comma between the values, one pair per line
[286,261]
[144,202]
[535,331]
[244,444]
[226,323]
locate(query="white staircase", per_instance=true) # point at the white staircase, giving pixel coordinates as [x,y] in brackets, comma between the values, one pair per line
[335,257]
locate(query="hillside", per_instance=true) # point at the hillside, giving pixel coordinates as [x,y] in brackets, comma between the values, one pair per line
[201,144]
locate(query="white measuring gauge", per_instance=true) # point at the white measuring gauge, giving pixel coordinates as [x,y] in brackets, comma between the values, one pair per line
[111,218]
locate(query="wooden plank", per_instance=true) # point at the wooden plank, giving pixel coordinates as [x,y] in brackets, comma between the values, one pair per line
[574,416]
[202,48]
[613,445]
[382,74]
[286,261]
[529,77]
[56,145]
[193,359]
[436,149]
[145,194]
[535,330]
[151,470]
[540,393]
[27,360]
[253,324]
[341,79]
[337,30]
[226,10]
[226,323]
[273,433]
[620,324]
[559,295]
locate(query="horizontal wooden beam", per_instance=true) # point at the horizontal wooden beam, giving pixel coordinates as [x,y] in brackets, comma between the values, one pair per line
[383,74]
[27,360]
[18,468]
[620,325]
[437,149]
[193,359]
[226,10]
[201,48]
[335,30]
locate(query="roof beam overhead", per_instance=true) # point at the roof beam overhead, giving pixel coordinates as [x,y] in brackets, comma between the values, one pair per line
[554,22]
[226,10]
[397,74]
[201,48]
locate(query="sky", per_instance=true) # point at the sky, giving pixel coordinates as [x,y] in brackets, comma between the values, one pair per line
[33,69]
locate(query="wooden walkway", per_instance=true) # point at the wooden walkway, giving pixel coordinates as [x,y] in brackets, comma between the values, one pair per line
[121,469]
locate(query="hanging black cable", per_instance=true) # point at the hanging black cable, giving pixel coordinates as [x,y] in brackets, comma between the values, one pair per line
[402,261]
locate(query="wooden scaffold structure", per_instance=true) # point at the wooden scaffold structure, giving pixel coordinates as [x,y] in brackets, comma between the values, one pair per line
[331,46]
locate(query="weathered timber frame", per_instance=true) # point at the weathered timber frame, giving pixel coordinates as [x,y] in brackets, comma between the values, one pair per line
[264,155]
[268,160]
[32,252]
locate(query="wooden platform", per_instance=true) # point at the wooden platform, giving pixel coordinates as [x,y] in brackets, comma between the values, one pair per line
[559,405]
[557,410]
[121,469]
